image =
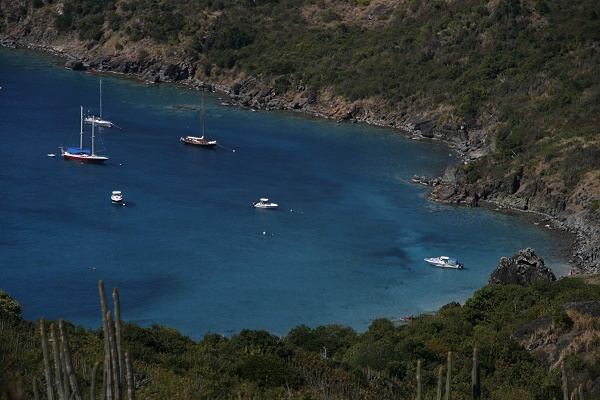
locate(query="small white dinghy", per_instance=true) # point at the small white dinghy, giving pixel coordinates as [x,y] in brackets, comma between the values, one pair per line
[264,203]
[116,196]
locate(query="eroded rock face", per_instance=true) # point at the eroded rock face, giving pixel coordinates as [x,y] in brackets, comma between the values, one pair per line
[521,269]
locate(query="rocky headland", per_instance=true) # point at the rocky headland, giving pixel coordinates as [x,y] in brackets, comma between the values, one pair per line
[523,268]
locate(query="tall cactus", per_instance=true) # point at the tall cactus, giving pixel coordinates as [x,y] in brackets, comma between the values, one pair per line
[130,378]
[565,383]
[68,362]
[575,395]
[47,366]
[475,377]
[118,337]
[449,377]
[63,392]
[36,391]
[115,361]
[114,358]
[419,383]
[107,364]
[440,382]
[94,381]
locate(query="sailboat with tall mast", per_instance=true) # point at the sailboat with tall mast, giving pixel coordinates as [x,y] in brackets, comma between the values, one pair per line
[79,153]
[97,119]
[200,140]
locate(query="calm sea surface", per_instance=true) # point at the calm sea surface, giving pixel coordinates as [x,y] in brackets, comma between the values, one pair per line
[188,250]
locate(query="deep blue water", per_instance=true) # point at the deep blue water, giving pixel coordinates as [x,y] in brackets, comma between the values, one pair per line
[345,246]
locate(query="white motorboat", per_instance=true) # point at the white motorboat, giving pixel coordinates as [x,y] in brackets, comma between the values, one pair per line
[116,196]
[444,262]
[264,203]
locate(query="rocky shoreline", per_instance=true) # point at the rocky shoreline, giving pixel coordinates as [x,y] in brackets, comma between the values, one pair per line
[468,142]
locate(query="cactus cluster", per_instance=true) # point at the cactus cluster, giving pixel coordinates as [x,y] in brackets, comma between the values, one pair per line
[576,394]
[117,373]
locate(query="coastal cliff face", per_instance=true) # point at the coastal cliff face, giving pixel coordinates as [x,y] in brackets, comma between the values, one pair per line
[573,210]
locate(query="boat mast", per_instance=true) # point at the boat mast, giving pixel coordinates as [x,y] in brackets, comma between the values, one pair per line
[81,129]
[93,123]
[100,98]
[202,137]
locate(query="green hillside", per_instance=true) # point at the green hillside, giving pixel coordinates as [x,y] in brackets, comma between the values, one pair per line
[525,338]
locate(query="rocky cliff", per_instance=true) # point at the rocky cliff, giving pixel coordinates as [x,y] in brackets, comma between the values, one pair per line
[520,190]
[522,269]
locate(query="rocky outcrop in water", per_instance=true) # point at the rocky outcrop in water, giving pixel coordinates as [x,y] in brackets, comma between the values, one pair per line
[521,269]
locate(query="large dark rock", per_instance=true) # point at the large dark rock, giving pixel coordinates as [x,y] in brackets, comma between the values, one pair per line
[75,65]
[100,63]
[521,269]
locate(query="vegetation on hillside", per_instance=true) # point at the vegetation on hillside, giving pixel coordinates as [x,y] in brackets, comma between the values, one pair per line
[524,70]
[335,362]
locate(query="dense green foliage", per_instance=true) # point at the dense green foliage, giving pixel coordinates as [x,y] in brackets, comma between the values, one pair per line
[335,362]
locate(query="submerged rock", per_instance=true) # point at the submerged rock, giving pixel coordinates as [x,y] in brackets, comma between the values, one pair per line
[521,269]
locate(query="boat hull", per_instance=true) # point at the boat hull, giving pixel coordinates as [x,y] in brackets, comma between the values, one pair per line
[266,206]
[444,262]
[92,158]
[199,142]
[99,122]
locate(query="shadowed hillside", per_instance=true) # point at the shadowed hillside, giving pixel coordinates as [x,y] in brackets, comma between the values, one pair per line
[532,342]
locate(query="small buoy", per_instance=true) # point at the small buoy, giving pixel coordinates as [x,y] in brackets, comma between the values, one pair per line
[120,165]
[264,233]
[234,151]
[94,268]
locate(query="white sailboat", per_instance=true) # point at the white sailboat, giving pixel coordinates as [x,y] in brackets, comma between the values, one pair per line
[97,119]
[79,153]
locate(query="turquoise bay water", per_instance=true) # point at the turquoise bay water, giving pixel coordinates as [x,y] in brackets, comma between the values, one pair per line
[345,246]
